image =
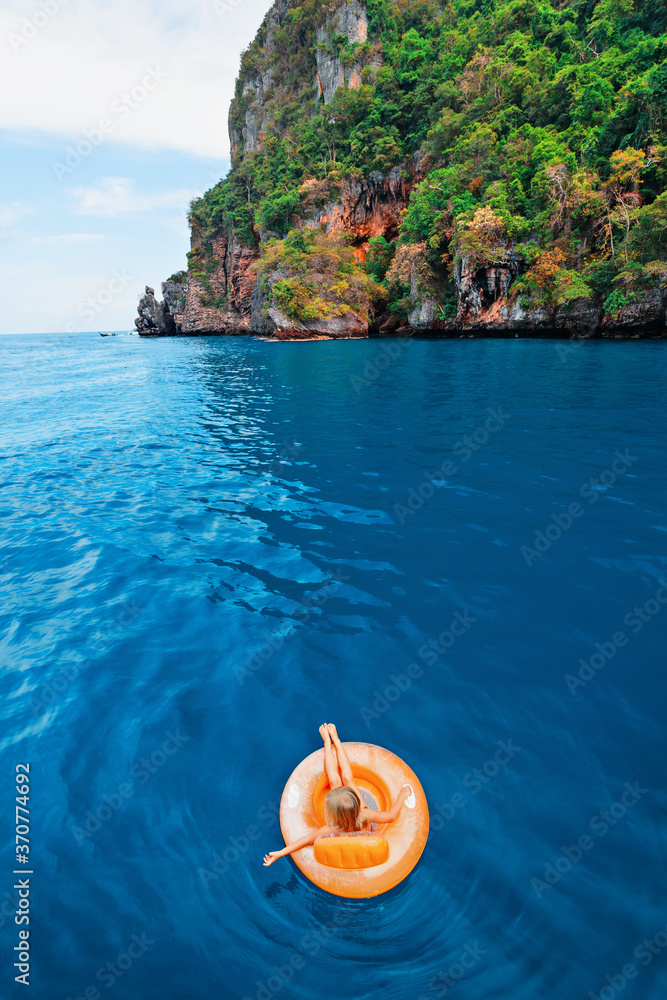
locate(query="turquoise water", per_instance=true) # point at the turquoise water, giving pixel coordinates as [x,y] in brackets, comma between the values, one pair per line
[211,546]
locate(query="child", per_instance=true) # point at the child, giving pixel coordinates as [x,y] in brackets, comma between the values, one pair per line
[345,809]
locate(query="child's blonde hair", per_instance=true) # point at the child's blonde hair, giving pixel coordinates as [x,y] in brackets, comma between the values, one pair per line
[342,807]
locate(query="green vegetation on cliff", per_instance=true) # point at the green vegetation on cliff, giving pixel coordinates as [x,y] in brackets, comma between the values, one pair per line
[538,127]
[316,276]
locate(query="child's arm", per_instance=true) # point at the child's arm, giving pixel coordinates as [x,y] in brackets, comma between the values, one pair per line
[298,845]
[376,816]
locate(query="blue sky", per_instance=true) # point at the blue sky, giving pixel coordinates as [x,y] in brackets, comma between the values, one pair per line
[116,118]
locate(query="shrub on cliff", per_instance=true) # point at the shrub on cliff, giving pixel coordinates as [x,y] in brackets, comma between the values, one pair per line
[549,282]
[410,278]
[482,241]
[179,278]
[316,275]
[633,281]
[379,256]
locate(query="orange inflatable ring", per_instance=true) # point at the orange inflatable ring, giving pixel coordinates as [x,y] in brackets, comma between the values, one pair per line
[356,867]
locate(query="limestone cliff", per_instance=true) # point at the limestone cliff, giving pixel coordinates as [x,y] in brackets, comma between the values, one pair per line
[340,124]
[332,72]
[224,300]
[220,296]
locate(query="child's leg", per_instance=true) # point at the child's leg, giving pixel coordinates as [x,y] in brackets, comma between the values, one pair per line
[344,762]
[330,763]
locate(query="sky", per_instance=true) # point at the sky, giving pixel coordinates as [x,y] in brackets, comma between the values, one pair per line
[113,117]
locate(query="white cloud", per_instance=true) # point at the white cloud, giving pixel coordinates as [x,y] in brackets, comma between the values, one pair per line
[118,196]
[70,239]
[67,71]
[9,214]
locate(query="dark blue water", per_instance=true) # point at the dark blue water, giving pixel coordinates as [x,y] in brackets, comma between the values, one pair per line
[210,547]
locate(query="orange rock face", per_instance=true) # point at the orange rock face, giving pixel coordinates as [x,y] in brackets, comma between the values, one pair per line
[369,208]
[221,295]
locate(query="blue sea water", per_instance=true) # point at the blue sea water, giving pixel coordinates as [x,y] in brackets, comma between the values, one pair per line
[211,546]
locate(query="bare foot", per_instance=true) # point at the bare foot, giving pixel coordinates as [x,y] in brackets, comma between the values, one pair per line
[333,733]
[324,732]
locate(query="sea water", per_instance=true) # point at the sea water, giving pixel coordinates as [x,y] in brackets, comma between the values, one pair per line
[452,549]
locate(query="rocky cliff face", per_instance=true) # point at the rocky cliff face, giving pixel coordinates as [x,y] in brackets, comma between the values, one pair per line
[219,301]
[155,318]
[486,307]
[370,207]
[332,70]
[248,113]
[226,299]
[222,295]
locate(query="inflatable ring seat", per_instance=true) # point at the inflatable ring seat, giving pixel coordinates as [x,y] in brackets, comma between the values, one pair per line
[356,866]
[351,853]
